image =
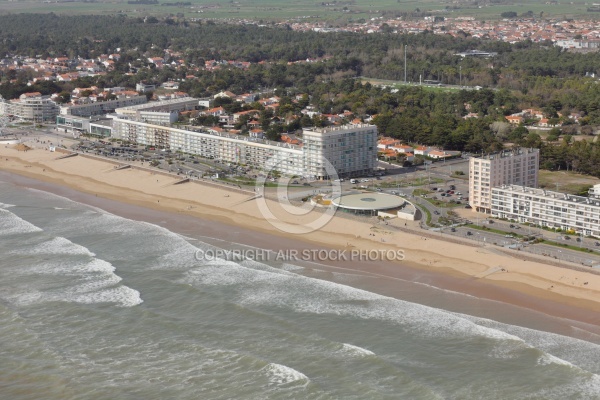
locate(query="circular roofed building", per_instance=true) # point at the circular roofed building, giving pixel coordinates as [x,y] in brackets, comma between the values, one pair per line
[368,203]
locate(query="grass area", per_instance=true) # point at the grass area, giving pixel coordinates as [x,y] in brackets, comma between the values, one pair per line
[567,246]
[414,182]
[441,204]
[307,9]
[427,213]
[486,229]
[568,182]
[435,202]
[399,84]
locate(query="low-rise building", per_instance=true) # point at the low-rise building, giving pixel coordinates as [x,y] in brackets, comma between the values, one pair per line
[102,107]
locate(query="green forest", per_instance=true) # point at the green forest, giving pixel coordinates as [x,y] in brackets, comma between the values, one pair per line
[523,75]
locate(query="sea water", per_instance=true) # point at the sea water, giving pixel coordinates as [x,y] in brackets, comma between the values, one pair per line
[96,306]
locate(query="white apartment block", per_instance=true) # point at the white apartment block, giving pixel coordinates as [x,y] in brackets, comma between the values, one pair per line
[285,158]
[178,105]
[357,144]
[509,167]
[350,149]
[101,107]
[547,208]
[28,108]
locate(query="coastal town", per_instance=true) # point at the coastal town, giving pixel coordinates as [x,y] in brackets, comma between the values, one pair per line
[371,201]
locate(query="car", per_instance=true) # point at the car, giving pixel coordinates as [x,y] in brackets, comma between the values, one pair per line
[597,243]
[294,182]
[458,202]
[469,233]
[468,206]
[579,239]
[436,212]
[394,192]
[458,193]
[511,225]
[434,188]
[452,187]
[453,229]
[379,189]
[509,236]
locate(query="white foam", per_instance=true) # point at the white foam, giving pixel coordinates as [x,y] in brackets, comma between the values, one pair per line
[123,296]
[58,245]
[355,350]
[281,375]
[582,387]
[92,268]
[547,359]
[11,224]
[575,351]
[3,205]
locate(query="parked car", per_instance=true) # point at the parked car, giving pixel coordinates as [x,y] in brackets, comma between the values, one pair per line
[436,212]
[469,233]
[453,229]
[468,206]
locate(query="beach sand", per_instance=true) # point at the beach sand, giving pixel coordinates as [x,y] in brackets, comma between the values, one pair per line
[234,215]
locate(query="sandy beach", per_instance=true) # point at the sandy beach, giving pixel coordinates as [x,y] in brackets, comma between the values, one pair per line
[481,271]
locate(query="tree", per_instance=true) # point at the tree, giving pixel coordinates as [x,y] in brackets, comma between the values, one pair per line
[63,97]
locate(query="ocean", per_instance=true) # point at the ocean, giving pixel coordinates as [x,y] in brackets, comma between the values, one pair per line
[98,306]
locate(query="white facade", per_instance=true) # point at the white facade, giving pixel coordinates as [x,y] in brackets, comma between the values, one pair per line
[101,107]
[263,154]
[511,167]
[546,208]
[177,105]
[30,109]
[350,149]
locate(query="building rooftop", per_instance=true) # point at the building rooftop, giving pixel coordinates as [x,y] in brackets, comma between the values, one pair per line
[508,153]
[552,194]
[368,201]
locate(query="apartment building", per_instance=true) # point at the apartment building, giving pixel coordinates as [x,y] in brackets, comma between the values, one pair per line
[30,107]
[355,153]
[178,105]
[101,107]
[96,125]
[350,149]
[509,167]
[264,154]
[547,208]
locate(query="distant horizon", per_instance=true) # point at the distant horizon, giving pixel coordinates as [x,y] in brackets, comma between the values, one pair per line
[303,10]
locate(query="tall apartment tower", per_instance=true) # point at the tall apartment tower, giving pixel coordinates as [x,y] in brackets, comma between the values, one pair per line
[350,149]
[509,167]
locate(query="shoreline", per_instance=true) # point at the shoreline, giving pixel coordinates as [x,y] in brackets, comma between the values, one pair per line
[577,304]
